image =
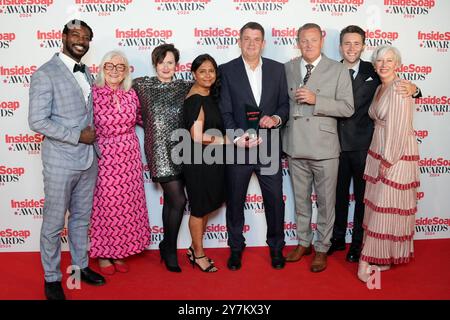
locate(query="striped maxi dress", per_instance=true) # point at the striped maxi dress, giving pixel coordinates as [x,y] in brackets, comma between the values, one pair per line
[119,223]
[391,201]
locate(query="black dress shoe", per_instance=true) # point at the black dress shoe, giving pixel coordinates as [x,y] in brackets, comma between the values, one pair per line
[353,255]
[336,245]
[278,261]
[234,262]
[91,277]
[54,290]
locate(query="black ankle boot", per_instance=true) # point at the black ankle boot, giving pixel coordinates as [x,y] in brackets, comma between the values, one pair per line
[170,258]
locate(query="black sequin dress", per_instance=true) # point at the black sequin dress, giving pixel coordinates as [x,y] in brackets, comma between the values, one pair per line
[162,113]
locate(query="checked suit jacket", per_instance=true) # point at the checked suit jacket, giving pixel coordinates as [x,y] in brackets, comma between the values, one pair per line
[58,110]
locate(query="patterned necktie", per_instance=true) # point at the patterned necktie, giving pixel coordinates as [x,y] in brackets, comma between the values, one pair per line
[79,67]
[309,67]
[352,72]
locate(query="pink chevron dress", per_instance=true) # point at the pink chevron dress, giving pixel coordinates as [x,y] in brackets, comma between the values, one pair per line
[391,200]
[119,222]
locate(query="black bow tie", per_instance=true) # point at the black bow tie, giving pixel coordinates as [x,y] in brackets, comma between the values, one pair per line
[79,67]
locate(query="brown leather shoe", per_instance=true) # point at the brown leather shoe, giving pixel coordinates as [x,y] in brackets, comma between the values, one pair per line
[319,262]
[296,254]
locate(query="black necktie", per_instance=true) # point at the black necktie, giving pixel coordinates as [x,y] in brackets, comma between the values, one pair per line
[352,72]
[309,67]
[79,67]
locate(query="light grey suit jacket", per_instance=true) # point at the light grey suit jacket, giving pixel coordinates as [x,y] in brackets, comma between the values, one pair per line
[314,135]
[58,110]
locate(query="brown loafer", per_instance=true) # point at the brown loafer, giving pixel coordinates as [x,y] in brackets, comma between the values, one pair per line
[296,254]
[319,262]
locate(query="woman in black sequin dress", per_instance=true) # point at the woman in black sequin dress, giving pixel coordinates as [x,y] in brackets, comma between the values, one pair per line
[161,100]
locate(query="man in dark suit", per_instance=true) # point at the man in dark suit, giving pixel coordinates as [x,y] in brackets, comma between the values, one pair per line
[252,82]
[355,135]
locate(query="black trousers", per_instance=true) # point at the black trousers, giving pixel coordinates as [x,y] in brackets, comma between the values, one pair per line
[238,178]
[351,166]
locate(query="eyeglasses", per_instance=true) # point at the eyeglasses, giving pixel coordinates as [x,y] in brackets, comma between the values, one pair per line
[119,67]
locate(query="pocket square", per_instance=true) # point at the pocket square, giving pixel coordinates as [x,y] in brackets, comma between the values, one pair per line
[369,79]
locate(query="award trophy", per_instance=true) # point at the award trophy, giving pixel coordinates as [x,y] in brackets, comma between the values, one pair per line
[253,115]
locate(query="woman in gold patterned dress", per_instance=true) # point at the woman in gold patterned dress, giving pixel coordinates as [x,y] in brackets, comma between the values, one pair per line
[391,172]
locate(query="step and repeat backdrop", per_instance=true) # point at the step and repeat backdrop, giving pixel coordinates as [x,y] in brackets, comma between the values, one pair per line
[30,33]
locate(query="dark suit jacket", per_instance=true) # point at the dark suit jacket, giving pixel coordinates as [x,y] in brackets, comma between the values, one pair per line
[355,132]
[236,93]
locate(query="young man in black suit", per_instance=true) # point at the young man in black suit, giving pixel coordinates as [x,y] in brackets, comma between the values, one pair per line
[355,135]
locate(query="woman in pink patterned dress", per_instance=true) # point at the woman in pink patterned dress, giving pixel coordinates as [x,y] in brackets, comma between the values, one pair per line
[119,223]
[391,172]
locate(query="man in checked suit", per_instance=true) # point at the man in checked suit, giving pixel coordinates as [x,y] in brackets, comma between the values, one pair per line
[355,135]
[320,90]
[61,109]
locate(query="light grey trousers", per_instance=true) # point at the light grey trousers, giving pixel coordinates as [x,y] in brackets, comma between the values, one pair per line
[64,190]
[323,173]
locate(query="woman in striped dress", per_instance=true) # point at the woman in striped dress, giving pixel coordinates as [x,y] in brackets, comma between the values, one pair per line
[391,172]
[119,222]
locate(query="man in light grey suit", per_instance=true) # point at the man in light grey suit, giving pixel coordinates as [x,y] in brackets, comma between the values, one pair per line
[320,89]
[61,110]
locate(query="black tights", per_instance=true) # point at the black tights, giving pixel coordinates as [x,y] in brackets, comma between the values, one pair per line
[172,214]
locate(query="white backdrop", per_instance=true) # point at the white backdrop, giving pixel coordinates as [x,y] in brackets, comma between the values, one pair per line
[30,33]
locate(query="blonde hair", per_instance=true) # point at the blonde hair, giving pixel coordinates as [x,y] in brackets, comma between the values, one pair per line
[126,82]
[382,50]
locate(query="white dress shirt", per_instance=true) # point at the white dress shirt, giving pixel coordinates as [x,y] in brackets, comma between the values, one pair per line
[79,76]
[255,79]
[303,69]
[356,69]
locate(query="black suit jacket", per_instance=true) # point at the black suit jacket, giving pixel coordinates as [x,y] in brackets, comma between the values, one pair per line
[236,93]
[355,133]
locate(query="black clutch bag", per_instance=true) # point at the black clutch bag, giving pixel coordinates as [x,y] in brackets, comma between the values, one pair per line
[253,115]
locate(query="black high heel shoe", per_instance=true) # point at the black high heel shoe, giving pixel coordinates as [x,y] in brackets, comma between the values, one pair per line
[170,260]
[210,268]
[189,254]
